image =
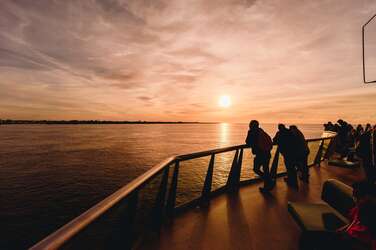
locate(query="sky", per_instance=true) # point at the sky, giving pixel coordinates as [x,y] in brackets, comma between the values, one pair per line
[277,61]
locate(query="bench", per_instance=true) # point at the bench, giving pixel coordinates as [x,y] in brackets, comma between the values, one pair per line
[328,215]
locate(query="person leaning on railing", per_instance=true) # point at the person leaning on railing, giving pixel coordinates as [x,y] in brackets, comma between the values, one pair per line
[285,140]
[301,153]
[261,144]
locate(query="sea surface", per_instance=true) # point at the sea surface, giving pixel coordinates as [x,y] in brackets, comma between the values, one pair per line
[50,174]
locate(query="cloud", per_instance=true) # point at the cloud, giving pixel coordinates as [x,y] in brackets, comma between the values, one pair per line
[145,98]
[276,59]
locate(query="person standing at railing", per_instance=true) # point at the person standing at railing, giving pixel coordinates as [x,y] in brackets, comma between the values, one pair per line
[261,144]
[285,141]
[301,150]
[358,133]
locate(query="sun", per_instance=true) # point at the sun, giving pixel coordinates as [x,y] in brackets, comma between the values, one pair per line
[224,101]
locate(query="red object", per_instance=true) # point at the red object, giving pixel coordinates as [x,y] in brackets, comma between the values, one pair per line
[359,231]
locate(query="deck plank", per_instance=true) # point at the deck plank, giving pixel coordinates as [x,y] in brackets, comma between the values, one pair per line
[247,219]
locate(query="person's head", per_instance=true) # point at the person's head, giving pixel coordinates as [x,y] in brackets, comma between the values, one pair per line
[281,127]
[253,124]
[363,190]
[340,121]
[293,127]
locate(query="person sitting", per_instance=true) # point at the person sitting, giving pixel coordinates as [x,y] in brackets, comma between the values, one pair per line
[358,234]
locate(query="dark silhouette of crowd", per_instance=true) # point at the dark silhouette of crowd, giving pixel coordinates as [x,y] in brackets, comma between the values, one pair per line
[354,144]
[293,147]
[351,144]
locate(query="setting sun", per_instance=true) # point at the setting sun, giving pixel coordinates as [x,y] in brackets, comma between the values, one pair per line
[224,101]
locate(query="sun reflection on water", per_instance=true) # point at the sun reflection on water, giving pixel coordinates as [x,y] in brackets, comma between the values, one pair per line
[224,133]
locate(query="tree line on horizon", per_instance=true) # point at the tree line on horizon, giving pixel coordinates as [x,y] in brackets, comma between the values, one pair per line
[10,121]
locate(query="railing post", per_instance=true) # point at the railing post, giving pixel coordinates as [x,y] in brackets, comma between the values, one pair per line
[159,207]
[124,232]
[208,180]
[172,193]
[319,154]
[274,167]
[330,148]
[240,163]
[234,175]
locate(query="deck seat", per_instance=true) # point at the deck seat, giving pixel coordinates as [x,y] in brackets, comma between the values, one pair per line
[316,216]
[328,215]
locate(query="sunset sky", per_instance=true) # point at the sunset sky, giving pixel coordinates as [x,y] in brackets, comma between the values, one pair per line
[289,61]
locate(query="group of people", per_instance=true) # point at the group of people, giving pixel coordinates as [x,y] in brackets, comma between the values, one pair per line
[352,143]
[291,144]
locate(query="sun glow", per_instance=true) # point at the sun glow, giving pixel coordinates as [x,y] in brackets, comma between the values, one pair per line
[224,101]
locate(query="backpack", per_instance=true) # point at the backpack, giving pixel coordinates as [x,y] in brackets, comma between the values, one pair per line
[264,142]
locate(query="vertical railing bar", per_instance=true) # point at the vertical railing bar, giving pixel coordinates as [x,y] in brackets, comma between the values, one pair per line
[159,207]
[231,177]
[240,163]
[208,180]
[329,149]
[319,154]
[128,236]
[274,167]
[172,193]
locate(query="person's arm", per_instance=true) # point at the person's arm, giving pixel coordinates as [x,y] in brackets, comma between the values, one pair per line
[343,228]
[250,138]
[352,217]
[276,138]
[247,140]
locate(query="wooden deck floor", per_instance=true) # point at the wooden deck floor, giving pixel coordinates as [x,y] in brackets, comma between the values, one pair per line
[248,219]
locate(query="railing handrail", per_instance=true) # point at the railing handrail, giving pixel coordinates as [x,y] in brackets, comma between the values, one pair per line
[66,232]
[199,154]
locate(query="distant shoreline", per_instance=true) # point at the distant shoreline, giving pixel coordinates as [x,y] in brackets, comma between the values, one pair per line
[89,122]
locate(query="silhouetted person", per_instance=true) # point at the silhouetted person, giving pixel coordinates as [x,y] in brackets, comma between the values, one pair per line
[368,127]
[351,143]
[358,133]
[261,144]
[342,136]
[336,128]
[301,152]
[329,126]
[285,141]
[366,151]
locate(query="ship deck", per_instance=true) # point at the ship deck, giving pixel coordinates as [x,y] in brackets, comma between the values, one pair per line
[247,219]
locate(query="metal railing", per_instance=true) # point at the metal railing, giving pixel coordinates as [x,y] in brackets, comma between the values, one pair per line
[139,208]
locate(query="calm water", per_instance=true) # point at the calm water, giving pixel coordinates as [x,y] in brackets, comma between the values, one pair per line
[51,173]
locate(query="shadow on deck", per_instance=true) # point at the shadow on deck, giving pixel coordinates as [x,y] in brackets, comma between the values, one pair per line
[247,219]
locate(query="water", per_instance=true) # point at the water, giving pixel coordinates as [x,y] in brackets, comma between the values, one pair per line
[49,174]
